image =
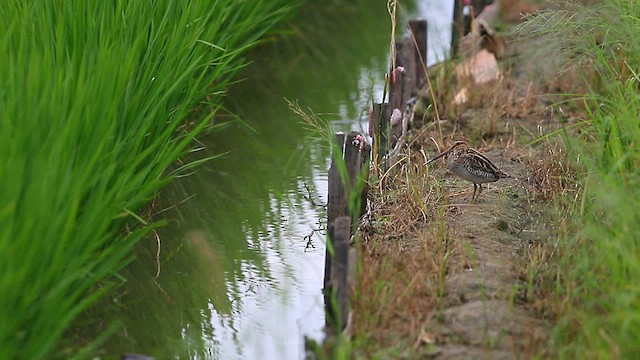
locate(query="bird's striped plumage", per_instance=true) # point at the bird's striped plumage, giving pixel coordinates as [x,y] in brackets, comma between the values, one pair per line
[470,165]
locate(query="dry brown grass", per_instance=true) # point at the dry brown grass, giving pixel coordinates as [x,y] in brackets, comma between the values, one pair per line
[552,175]
[405,247]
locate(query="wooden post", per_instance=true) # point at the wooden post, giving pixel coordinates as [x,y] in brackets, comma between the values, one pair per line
[405,58]
[418,29]
[337,197]
[354,159]
[400,58]
[336,207]
[339,234]
[343,215]
[457,27]
[399,92]
[365,156]
[381,117]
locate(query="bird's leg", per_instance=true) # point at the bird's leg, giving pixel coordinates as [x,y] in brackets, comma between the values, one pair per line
[473,197]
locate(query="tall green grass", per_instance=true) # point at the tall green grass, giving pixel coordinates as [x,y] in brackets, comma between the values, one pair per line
[95,106]
[598,271]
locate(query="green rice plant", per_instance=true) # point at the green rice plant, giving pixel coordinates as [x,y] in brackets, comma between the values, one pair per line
[95,107]
[597,268]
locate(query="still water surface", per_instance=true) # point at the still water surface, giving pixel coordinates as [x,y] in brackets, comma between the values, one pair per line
[235,278]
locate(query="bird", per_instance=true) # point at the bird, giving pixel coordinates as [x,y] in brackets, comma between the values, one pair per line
[470,165]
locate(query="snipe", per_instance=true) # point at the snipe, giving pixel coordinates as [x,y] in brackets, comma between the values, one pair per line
[470,165]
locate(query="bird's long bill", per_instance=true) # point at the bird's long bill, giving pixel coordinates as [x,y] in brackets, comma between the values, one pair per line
[438,157]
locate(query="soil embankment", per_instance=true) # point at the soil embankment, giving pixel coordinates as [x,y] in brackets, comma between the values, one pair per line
[447,278]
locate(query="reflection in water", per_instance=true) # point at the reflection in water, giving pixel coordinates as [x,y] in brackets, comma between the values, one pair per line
[236,278]
[438,14]
[211,265]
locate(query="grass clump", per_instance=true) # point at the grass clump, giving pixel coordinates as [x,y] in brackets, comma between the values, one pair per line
[594,275]
[402,263]
[95,102]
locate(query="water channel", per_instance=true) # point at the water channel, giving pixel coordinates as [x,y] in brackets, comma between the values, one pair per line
[235,278]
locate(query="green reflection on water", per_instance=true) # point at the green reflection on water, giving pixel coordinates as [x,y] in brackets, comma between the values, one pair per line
[215,242]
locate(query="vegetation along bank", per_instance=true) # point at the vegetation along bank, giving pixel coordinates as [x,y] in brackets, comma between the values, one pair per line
[97,106]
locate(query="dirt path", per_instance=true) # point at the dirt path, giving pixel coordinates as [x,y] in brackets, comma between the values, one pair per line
[484,313]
